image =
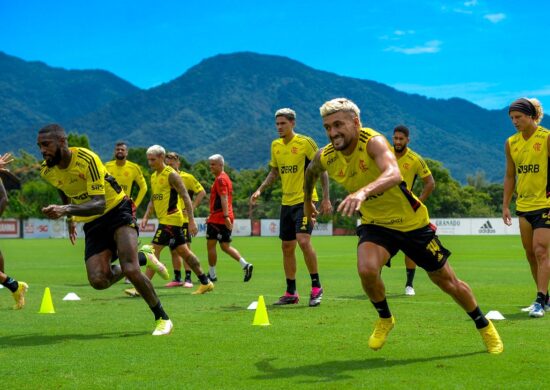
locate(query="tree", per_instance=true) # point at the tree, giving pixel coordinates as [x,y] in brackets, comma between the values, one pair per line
[74,139]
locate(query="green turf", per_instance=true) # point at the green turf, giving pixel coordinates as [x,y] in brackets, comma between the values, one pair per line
[104,341]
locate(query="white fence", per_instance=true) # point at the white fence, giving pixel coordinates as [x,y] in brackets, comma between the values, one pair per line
[45,228]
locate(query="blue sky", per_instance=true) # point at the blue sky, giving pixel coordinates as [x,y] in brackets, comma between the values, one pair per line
[488,52]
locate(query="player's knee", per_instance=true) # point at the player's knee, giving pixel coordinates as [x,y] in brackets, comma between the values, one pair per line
[541,252]
[98,281]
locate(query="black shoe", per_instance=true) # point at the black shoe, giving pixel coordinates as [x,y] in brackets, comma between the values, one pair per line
[248,272]
[211,278]
[288,299]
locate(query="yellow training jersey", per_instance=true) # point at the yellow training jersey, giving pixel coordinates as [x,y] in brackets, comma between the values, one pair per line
[126,175]
[291,160]
[396,208]
[165,198]
[531,160]
[193,187]
[412,165]
[84,177]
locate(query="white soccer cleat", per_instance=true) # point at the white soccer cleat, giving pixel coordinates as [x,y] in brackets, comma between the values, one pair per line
[163,327]
[409,291]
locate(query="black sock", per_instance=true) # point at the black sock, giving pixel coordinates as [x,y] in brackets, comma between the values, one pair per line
[382,308]
[315,282]
[187,275]
[11,284]
[142,258]
[203,279]
[479,318]
[547,298]
[291,286]
[177,275]
[541,298]
[410,276]
[159,312]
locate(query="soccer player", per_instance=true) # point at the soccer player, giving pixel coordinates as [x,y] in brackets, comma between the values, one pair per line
[126,172]
[219,223]
[196,193]
[90,195]
[166,185]
[392,218]
[527,153]
[290,155]
[411,166]
[18,289]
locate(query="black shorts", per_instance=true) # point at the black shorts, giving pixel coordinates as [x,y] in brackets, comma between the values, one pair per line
[292,221]
[186,234]
[421,245]
[169,235]
[100,233]
[215,231]
[537,218]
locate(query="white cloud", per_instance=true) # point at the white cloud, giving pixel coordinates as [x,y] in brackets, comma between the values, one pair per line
[428,47]
[495,18]
[402,32]
[471,3]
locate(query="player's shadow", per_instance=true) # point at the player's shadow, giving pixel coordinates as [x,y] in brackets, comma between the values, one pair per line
[340,369]
[517,316]
[30,340]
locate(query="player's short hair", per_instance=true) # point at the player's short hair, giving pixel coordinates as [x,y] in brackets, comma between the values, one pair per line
[401,129]
[287,113]
[121,143]
[157,150]
[216,157]
[173,156]
[339,104]
[53,129]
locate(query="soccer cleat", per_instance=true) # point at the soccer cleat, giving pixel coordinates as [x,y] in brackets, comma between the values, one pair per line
[174,283]
[315,296]
[288,299]
[409,290]
[153,263]
[131,292]
[382,328]
[204,288]
[491,339]
[528,308]
[537,311]
[163,327]
[19,295]
[187,283]
[248,272]
[127,281]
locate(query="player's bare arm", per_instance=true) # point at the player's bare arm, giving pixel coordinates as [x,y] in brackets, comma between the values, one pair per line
[269,180]
[198,199]
[175,181]
[429,186]
[390,176]
[95,206]
[313,171]
[509,185]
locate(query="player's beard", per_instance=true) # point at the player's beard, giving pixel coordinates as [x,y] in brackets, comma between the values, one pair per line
[56,159]
[400,148]
[119,156]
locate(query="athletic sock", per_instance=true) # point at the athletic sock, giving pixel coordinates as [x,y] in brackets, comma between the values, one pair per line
[291,286]
[187,275]
[159,312]
[212,271]
[479,318]
[382,308]
[11,284]
[315,282]
[203,279]
[410,276]
[142,259]
[177,275]
[541,298]
[243,262]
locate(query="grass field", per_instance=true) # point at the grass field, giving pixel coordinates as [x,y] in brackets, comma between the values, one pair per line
[104,341]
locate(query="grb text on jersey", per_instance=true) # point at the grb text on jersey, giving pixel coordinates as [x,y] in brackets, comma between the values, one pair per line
[289,169]
[528,168]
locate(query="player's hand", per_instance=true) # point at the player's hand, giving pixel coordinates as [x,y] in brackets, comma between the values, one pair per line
[228,223]
[326,207]
[310,212]
[193,230]
[507,217]
[352,203]
[254,197]
[143,223]
[54,211]
[71,226]
[5,160]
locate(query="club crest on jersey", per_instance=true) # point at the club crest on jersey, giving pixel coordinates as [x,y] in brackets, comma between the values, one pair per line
[537,147]
[294,150]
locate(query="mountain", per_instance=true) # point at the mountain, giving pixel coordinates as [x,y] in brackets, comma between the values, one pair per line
[225,104]
[33,94]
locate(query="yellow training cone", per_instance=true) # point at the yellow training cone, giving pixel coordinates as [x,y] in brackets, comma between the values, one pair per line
[260,316]
[47,305]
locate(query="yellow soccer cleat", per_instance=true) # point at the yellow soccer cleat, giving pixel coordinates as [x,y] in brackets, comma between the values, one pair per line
[19,295]
[382,328]
[492,339]
[131,292]
[153,263]
[204,288]
[163,327]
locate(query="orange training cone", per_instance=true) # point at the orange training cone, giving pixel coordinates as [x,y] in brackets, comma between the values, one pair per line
[260,316]
[47,305]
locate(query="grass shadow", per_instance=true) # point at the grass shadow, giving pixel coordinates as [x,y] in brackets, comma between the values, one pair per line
[31,340]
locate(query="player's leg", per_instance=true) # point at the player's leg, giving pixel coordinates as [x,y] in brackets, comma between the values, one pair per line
[541,243]
[212,257]
[193,262]
[410,269]
[18,289]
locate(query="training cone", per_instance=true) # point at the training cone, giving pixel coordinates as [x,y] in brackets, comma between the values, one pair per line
[260,316]
[47,305]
